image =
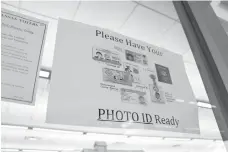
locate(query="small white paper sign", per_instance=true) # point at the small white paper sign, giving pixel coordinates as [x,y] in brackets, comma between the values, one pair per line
[22,46]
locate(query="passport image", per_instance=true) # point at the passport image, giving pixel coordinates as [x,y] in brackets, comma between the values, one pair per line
[163,74]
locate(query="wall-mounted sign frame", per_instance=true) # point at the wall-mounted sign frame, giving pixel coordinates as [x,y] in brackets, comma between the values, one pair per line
[23,40]
[114,81]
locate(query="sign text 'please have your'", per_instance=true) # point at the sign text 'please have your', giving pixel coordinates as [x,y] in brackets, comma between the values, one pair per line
[127,42]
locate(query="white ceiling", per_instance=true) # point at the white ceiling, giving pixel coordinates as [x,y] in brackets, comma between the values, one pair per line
[154,22]
[110,15]
[141,25]
[166,8]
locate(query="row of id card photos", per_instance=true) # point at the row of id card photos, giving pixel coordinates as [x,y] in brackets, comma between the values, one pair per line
[129,75]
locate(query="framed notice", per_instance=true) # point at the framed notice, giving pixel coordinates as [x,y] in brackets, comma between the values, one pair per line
[22,46]
[117,82]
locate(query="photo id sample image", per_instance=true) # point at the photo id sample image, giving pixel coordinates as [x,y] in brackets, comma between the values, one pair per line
[106,56]
[133,70]
[133,96]
[116,76]
[163,74]
[156,93]
[136,57]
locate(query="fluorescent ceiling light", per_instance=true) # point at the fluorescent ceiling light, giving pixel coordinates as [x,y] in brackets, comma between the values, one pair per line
[192,102]
[44,74]
[179,100]
[32,138]
[145,138]
[178,139]
[13,127]
[57,131]
[108,137]
[72,150]
[39,150]
[205,105]
[138,139]
[202,140]
[9,150]
[218,141]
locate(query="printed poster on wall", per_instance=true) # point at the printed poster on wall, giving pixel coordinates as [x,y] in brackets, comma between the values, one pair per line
[104,79]
[21,50]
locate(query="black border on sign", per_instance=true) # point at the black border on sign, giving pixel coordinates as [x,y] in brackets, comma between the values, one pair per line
[38,58]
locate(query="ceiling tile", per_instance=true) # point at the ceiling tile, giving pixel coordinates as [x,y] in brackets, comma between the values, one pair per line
[14,3]
[196,82]
[106,14]
[49,45]
[55,9]
[146,25]
[175,40]
[220,10]
[164,7]
[9,7]
[224,24]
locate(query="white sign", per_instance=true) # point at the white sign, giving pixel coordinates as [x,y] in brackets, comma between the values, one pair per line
[22,44]
[104,79]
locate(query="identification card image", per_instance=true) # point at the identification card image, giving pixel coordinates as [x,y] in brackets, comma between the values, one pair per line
[136,57]
[106,56]
[133,70]
[163,74]
[116,76]
[156,94]
[133,96]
